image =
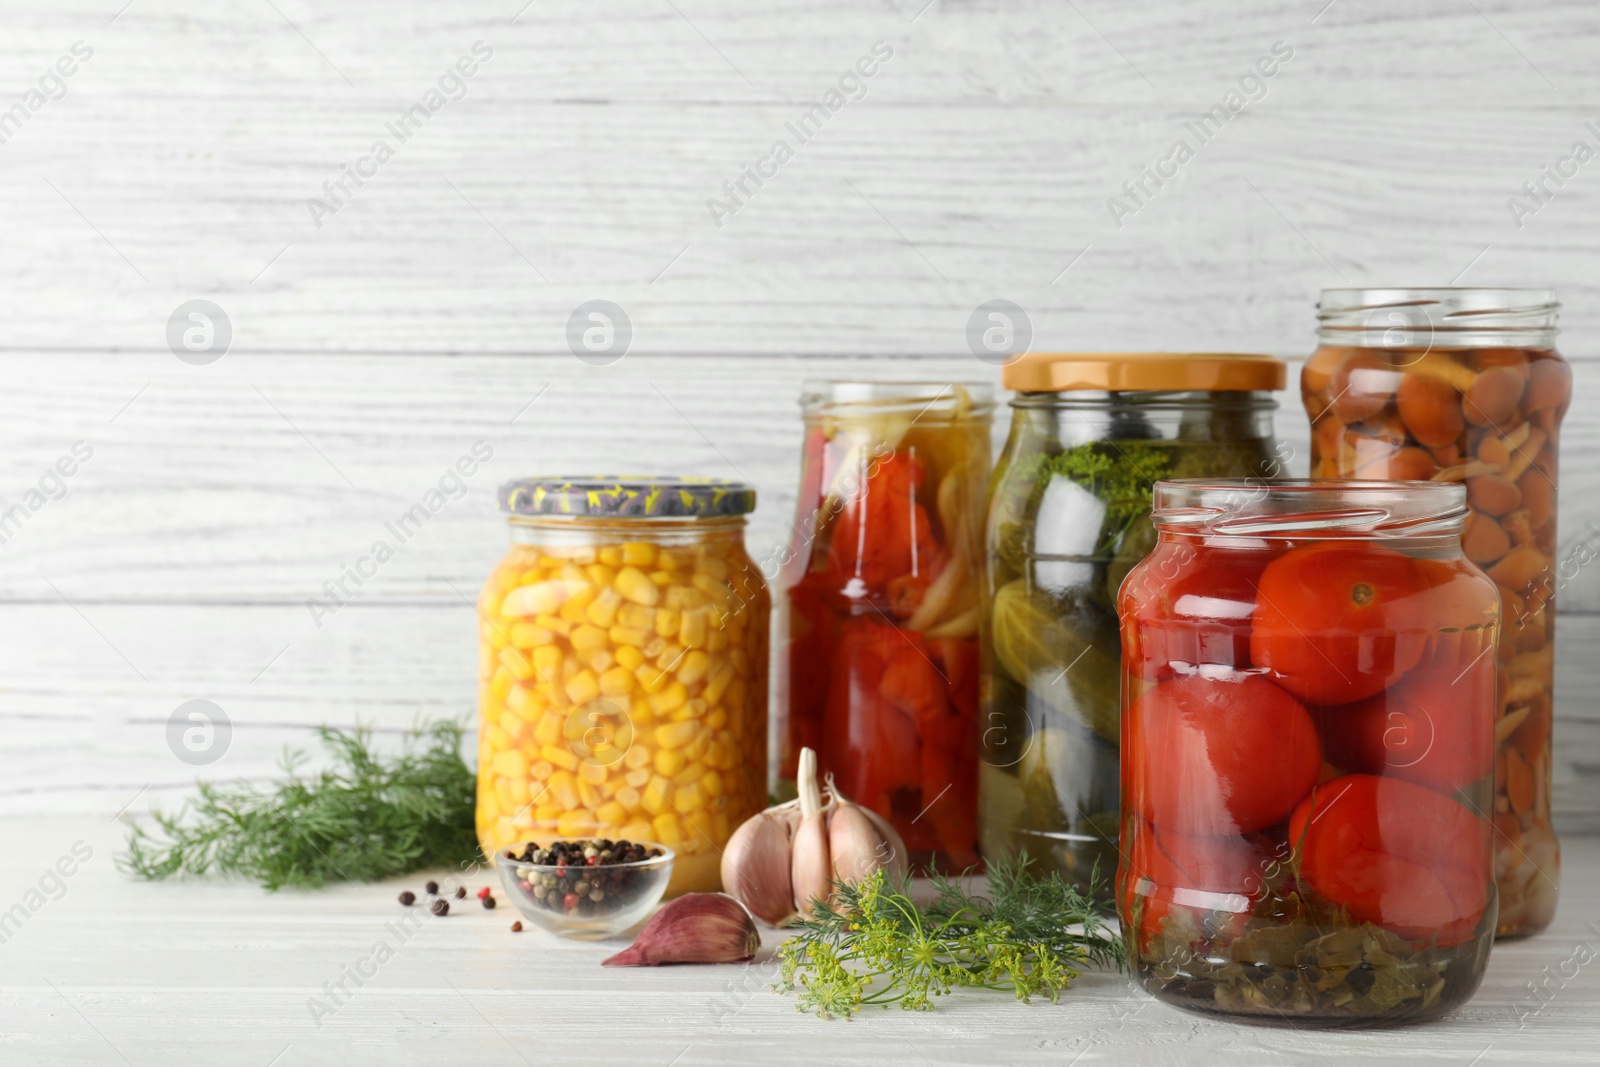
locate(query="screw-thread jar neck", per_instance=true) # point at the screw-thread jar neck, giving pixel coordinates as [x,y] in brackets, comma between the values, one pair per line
[1438,318]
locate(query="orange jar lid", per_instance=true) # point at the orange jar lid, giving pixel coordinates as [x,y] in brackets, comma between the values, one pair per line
[1057,372]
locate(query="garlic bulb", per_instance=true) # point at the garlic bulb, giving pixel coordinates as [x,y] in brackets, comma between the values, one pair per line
[778,863]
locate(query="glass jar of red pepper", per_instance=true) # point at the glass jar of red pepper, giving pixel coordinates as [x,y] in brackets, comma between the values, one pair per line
[879,648]
[1308,752]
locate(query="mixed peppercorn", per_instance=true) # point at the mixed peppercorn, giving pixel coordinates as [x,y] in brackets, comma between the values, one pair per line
[573,884]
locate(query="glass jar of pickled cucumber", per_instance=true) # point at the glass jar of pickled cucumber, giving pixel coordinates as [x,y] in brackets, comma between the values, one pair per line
[1068,518]
[1308,703]
[880,621]
[1465,386]
[622,667]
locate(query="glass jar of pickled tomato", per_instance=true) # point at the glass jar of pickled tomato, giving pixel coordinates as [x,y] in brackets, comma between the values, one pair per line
[1308,752]
[879,644]
[1069,516]
[622,667]
[1465,386]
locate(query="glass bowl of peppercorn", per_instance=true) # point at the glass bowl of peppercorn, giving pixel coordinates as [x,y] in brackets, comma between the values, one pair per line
[586,889]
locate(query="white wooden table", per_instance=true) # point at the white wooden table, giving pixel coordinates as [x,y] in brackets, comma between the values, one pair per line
[122,972]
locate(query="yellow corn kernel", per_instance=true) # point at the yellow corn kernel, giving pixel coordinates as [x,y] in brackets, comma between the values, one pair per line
[694,667]
[502,795]
[666,827]
[497,737]
[628,797]
[626,635]
[712,567]
[654,797]
[717,639]
[675,735]
[611,813]
[589,796]
[583,688]
[669,699]
[547,663]
[716,755]
[715,591]
[651,678]
[513,660]
[637,830]
[522,701]
[602,611]
[637,778]
[561,756]
[541,770]
[687,798]
[640,712]
[667,561]
[636,758]
[693,628]
[564,789]
[667,621]
[514,725]
[685,713]
[717,719]
[671,655]
[721,677]
[636,617]
[511,763]
[669,763]
[500,685]
[554,624]
[505,831]
[661,578]
[630,657]
[696,749]
[711,784]
[547,813]
[733,699]
[593,773]
[633,585]
[690,774]
[518,788]
[527,635]
[600,574]
[576,824]
[616,682]
[638,553]
[550,728]
[496,636]
[587,638]
[599,661]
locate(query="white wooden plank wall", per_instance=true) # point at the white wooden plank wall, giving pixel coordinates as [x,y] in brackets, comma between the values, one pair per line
[430,310]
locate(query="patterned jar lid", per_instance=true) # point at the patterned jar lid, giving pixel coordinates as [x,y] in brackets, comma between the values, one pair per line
[643,496]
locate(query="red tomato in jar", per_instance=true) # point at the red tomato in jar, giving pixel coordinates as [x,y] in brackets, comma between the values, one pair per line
[1218,756]
[1338,621]
[1397,855]
[1214,880]
[1191,606]
[1434,727]
[883,544]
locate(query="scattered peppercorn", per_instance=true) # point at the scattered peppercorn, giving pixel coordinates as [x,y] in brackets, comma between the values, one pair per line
[408,898]
[432,888]
[440,907]
[461,892]
[516,927]
[484,892]
[488,902]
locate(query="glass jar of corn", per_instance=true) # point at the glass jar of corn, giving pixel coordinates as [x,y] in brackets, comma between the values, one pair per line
[622,669]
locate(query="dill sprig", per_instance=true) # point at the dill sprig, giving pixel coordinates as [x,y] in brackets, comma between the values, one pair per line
[874,946]
[362,819]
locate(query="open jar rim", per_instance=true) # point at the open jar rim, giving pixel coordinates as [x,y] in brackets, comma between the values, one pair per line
[1294,508]
[930,402]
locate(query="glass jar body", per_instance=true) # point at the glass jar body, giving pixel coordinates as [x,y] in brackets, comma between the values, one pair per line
[623,687]
[880,618]
[1068,518]
[1466,385]
[1308,757]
